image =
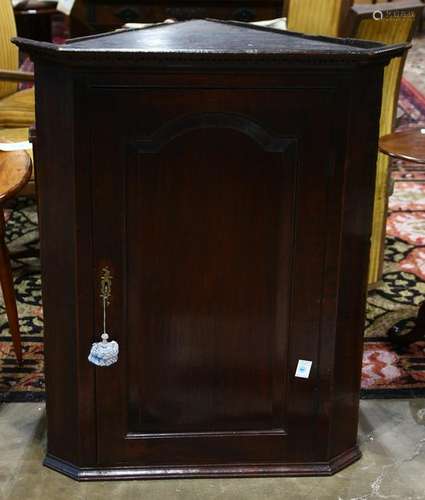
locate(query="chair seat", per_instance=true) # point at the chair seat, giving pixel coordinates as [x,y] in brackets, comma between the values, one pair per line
[17,110]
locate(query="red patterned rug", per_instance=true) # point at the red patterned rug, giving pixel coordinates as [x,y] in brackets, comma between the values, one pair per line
[390,371]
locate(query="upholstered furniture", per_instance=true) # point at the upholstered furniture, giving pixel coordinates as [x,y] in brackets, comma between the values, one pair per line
[16,106]
[15,172]
[17,109]
[317,17]
[209,185]
[396,26]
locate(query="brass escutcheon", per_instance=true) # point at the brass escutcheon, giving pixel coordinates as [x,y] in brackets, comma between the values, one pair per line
[105,284]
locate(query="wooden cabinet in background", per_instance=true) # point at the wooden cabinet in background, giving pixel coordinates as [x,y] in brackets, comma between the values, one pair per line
[95,16]
[224,175]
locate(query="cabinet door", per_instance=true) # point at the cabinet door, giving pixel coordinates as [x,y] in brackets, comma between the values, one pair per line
[196,199]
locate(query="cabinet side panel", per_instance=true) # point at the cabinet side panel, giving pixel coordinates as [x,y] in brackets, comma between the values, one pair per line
[354,255]
[56,205]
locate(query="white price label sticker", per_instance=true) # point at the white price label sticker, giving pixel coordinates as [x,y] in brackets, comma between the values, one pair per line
[303,368]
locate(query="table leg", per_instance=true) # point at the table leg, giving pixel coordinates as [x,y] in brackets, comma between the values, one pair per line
[6,281]
[415,334]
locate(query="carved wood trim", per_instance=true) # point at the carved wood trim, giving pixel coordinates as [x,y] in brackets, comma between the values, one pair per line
[267,140]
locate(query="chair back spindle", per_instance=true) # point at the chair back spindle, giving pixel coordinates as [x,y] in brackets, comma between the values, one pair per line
[396,26]
[317,17]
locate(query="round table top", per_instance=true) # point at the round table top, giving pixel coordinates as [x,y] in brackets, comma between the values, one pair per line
[15,172]
[407,145]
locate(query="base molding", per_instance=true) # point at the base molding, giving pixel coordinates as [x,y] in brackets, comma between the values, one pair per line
[203,471]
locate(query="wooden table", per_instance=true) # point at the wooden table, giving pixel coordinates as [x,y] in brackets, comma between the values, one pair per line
[408,145]
[15,172]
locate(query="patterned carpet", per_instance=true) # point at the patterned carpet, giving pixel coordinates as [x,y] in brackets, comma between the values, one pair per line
[415,63]
[24,383]
[387,371]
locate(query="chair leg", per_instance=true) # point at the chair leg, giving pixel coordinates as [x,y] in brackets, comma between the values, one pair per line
[6,281]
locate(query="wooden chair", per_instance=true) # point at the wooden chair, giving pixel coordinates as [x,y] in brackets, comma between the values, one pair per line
[15,172]
[317,17]
[16,106]
[397,25]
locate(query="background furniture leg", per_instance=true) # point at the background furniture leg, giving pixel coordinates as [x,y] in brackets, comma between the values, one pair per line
[6,280]
[397,336]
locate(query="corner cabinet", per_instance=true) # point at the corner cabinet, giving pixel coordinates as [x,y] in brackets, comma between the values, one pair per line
[222,175]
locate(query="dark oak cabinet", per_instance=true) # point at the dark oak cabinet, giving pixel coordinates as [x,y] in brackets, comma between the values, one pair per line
[224,176]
